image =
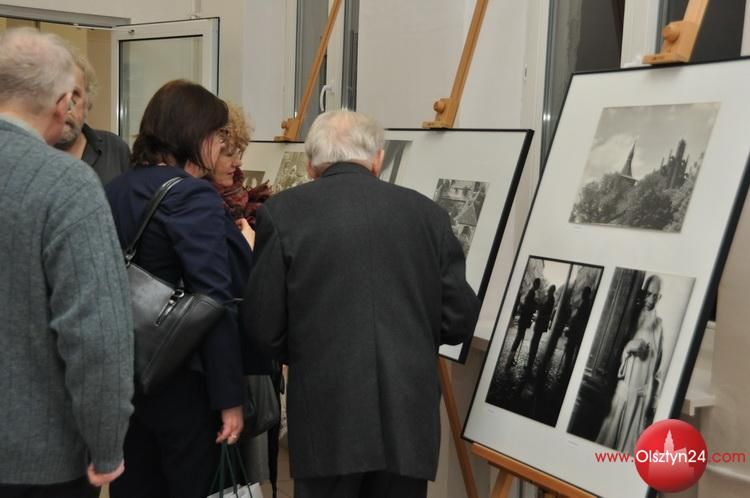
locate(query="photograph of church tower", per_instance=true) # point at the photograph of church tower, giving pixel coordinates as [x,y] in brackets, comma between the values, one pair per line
[643,166]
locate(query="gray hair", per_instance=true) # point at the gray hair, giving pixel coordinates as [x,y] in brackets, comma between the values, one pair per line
[343,135]
[90,83]
[36,69]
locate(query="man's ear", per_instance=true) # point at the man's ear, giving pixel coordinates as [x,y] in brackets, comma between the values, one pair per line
[377,163]
[312,173]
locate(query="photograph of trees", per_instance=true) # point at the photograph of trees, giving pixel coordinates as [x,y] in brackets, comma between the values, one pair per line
[643,165]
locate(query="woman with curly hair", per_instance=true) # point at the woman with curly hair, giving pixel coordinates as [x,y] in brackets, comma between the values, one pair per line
[228,178]
[240,204]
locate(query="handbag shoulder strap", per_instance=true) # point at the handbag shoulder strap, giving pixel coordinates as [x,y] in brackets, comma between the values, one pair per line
[153,205]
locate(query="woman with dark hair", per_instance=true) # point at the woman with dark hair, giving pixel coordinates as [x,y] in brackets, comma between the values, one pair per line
[171,446]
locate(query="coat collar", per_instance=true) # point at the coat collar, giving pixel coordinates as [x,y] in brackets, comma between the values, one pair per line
[92,138]
[21,124]
[344,168]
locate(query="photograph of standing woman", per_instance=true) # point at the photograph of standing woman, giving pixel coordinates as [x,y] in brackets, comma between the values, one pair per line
[632,350]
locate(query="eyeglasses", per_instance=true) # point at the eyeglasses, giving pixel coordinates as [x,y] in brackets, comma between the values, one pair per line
[232,151]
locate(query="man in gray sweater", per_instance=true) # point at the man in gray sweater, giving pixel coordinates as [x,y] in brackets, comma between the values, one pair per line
[66,341]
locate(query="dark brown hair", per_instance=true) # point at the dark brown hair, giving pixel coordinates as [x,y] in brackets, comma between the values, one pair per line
[177,119]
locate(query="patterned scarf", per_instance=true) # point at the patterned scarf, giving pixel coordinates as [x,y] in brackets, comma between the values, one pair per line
[242,202]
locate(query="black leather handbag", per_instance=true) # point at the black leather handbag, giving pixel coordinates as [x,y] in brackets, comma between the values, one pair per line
[262,408]
[169,323]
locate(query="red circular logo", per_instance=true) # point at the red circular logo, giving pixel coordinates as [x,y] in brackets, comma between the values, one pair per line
[670,455]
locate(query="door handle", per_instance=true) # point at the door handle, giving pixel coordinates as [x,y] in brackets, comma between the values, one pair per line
[322,97]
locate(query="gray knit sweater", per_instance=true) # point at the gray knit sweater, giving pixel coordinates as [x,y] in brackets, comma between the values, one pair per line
[66,340]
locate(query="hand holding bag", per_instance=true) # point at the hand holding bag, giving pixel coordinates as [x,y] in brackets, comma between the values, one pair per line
[236,489]
[169,322]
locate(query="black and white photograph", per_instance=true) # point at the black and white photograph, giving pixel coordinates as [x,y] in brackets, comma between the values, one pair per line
[549,319]
[253,178]
[631,353]
[292,171]
[643,165]
[393,154]
[463,199]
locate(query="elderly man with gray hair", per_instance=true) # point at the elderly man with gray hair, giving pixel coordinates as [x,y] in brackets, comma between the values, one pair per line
[65,321]
[356,284]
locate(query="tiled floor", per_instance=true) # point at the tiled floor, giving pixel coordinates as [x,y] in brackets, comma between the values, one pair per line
[285,484]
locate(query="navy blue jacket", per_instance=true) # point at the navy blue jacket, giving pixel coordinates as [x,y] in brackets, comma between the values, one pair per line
[191,237]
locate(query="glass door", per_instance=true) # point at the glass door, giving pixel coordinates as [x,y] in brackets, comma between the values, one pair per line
[145,56]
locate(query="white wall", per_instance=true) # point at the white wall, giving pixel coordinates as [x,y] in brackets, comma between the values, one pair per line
[725,425]
[268,81]
[408,54]
[492,95]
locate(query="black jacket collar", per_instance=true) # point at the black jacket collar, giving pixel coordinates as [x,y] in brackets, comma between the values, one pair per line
[345,167]
[92,138]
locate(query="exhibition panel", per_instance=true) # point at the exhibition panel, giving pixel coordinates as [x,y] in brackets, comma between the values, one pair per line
[619,263]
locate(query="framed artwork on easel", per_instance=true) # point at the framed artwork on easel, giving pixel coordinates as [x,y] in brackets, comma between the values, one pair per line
[600,323]
[282,164]
[473,175]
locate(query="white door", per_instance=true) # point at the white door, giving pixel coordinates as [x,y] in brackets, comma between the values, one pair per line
[145,56]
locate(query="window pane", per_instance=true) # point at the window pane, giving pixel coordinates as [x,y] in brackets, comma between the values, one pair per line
[584,35]
[351,41]
[145,65]
[312,16]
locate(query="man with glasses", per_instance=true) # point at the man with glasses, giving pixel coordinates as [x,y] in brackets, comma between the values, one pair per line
[106,152]
[66,340]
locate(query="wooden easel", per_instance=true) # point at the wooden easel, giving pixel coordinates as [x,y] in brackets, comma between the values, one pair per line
[447,107]
[455,425]
[510,468]
[680,36]
[292,125]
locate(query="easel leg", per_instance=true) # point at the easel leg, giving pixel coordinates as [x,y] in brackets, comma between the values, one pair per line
[501,489]
[450,407]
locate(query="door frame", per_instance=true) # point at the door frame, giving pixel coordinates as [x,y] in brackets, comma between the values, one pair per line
[206,28]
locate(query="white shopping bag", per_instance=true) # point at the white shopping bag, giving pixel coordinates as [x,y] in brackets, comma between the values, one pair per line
[253,491]
[226,471]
